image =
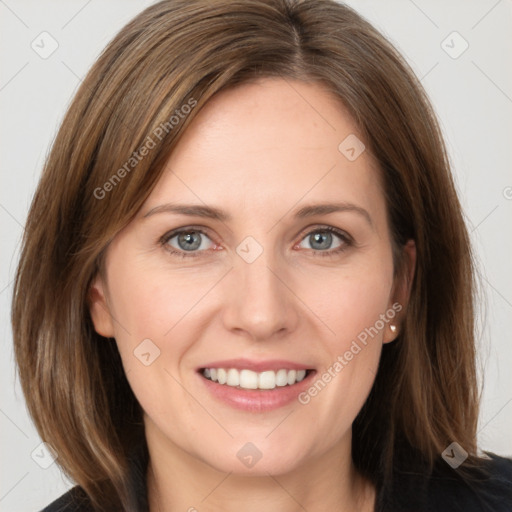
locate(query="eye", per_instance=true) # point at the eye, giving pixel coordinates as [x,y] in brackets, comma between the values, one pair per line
[191,241]
[321,239]
[186,242]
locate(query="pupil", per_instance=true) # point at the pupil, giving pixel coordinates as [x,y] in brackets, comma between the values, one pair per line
[189,242]
[326,237]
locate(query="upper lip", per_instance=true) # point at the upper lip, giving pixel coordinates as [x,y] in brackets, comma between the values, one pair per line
[257,366]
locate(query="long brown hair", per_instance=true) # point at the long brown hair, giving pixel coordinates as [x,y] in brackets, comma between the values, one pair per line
[181,52]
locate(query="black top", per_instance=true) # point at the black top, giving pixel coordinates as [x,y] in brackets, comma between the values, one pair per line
[443,491]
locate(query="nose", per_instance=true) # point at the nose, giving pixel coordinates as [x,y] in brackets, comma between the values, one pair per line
[261,303]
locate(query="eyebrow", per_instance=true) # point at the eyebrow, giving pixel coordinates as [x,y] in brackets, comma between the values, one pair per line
[211,212]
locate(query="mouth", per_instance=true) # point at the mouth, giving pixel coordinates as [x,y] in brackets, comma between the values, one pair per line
[250,380]
[255,386]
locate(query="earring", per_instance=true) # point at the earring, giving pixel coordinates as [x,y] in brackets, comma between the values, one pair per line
[393,328]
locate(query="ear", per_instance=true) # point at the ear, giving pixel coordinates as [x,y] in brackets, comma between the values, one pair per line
[99,309]
[401,291]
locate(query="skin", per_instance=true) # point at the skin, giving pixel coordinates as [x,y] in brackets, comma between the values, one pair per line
[259,152]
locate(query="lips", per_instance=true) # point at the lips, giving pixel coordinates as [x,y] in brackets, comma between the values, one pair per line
[255,386]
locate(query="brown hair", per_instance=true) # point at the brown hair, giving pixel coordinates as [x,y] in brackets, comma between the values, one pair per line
[180,51]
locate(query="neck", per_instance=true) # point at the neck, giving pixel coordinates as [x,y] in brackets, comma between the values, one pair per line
[177,480]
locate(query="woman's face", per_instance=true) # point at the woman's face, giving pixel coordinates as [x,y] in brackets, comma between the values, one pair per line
[259,288]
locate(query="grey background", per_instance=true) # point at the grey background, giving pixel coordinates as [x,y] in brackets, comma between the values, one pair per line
[472,95]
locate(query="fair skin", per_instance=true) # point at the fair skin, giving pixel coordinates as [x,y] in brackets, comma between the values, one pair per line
[259,152]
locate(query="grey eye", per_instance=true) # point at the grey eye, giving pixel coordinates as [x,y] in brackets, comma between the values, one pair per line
[188,241]
[321,240]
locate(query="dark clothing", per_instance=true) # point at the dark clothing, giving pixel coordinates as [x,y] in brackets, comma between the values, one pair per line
[443,491]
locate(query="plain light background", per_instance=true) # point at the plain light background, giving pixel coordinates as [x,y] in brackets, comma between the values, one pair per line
[471,92]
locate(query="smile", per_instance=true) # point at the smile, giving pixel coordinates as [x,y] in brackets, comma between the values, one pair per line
[249,379]
[255,386]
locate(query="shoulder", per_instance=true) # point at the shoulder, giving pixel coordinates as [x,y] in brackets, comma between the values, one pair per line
[485,489]
[75,500]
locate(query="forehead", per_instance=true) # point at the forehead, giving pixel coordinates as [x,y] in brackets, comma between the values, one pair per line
[268,146]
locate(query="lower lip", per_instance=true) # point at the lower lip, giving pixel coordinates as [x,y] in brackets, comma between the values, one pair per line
[257,400]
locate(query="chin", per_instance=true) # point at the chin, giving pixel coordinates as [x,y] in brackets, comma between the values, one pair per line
[257,457]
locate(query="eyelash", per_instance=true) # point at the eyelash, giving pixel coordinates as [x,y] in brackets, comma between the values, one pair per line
[347,241]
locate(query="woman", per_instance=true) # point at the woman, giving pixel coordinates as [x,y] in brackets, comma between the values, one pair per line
[246,282]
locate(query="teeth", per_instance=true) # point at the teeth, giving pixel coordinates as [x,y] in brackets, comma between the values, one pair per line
[247,379]
[233,378]
[282,378]
[267,380]
[222,376]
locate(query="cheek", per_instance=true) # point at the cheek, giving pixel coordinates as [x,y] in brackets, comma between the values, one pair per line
[357,311]
[152,310]
[349,302]
[157,318]
[151,301]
